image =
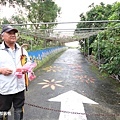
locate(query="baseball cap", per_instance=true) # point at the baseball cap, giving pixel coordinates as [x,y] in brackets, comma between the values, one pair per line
[8,28]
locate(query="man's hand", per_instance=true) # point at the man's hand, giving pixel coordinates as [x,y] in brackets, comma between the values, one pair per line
[5,71]
[21,70]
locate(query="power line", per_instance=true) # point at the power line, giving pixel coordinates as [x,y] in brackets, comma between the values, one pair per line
[45,23]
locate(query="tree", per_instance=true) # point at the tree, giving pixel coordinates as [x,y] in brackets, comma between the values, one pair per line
[35,11]
[39,11]
[42,11]
[13,2]
[94,14]
[109,44]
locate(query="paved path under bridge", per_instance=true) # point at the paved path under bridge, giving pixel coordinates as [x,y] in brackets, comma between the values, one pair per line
[71,89]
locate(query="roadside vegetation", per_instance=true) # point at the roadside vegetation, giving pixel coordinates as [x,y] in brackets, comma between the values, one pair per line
[103,47]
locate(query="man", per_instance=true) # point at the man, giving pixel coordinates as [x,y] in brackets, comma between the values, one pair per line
[11,87]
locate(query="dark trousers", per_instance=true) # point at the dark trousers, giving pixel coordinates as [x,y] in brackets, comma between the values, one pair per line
[17,100]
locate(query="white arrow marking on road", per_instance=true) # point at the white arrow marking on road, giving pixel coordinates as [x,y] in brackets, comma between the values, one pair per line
[73,102]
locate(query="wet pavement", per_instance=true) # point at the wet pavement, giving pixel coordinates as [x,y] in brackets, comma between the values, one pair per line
[70,88]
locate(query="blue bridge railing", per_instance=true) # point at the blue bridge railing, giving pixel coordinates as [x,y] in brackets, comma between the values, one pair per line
[41,54]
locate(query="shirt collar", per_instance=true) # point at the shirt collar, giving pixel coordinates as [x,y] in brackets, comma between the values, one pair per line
[4,46]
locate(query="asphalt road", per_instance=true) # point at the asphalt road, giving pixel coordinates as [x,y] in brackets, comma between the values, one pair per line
[70,88]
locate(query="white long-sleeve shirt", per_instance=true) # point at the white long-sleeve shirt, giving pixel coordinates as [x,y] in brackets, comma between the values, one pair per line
[11,59]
